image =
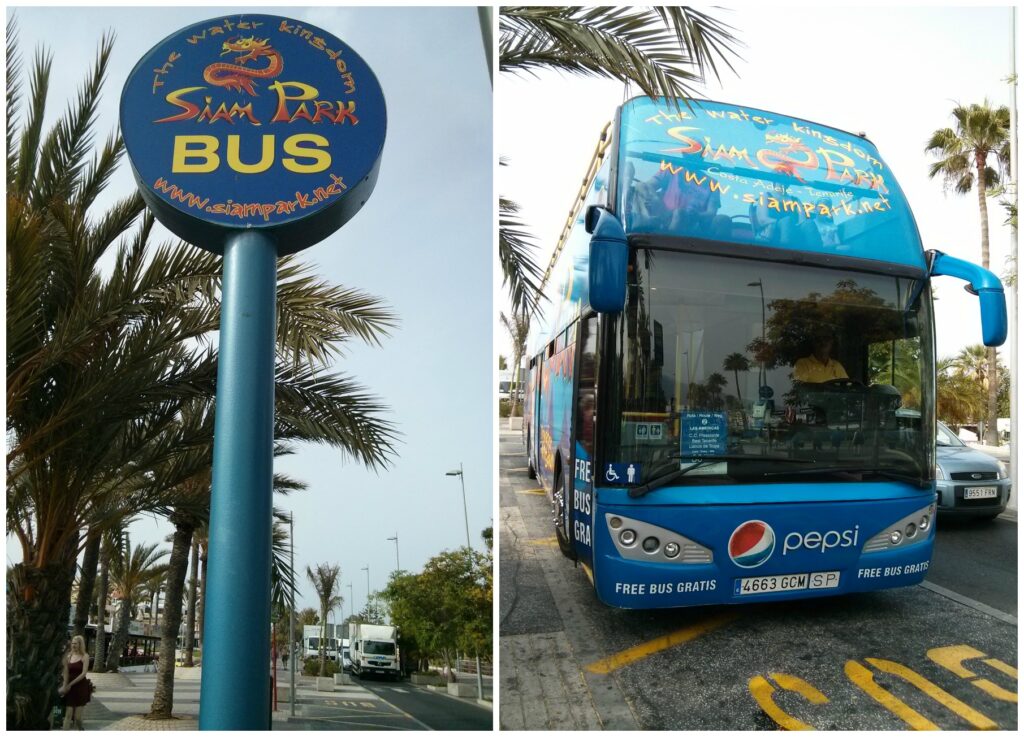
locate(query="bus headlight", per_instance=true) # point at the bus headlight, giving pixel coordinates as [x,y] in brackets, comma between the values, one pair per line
[657,544]
[903,532]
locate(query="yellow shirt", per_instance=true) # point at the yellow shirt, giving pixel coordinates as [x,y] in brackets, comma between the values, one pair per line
[813,371]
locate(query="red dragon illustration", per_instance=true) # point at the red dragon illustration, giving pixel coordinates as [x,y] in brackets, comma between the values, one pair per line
[237,77]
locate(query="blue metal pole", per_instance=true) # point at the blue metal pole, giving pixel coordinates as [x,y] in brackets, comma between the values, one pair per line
[236,637]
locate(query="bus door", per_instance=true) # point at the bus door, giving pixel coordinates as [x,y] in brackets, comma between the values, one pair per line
[534,432]
[537,418]
[580,523]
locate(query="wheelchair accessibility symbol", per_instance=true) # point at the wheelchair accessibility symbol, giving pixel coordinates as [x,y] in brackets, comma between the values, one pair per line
[622,473]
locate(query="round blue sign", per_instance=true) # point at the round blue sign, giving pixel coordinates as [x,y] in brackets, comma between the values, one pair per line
[253,121]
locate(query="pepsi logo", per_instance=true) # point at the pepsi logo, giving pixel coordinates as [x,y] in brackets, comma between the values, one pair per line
[751,544]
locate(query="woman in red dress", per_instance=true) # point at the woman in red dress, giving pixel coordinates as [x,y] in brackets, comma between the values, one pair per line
[76,690]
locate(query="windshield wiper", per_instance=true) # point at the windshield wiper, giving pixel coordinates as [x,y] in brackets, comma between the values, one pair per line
[892,475]
[699,462]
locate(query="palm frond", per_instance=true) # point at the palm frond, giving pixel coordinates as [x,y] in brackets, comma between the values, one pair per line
[333,410]
[65,148]
[13,97]
[315,319]
[28,152]
[520,273]
[652,48]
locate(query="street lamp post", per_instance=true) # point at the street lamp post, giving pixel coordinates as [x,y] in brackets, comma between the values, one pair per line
[469,547]
[367,569]
[352,601]
[398,565]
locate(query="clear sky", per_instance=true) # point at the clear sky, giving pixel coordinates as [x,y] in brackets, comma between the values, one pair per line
[423,243]
[893,72]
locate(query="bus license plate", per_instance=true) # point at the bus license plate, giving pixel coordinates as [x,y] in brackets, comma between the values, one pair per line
[787,582]
[980,492]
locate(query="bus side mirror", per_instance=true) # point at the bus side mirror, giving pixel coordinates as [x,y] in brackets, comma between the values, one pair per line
[609,256]
[983,284]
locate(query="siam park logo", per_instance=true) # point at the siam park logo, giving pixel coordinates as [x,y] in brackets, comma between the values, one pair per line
[751,544]
[254,121]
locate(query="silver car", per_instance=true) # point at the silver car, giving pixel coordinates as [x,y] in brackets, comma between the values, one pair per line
[969,482]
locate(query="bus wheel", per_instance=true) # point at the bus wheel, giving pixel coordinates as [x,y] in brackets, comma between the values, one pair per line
[558,508]
[530,470]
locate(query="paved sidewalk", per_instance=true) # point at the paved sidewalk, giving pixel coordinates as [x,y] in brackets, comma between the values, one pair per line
[120,706]
[121,702]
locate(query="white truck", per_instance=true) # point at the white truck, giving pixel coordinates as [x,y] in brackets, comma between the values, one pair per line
[311,642]
[373,648]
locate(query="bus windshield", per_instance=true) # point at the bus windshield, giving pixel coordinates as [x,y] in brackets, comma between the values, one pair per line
[788,370]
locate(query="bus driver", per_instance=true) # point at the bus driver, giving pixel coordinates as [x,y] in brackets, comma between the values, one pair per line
[819,367]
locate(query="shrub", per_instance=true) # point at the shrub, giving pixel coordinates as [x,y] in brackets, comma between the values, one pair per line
[505,408]
[311,667]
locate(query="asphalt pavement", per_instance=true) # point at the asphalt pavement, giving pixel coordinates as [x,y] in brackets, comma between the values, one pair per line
[433,709]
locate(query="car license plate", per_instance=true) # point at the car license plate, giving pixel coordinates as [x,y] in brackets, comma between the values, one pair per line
[980,492]
[787,582]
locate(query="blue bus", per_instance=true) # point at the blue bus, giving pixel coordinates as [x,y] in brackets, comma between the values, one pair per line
[731,388]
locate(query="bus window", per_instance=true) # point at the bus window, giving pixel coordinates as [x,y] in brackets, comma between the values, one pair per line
[586,401]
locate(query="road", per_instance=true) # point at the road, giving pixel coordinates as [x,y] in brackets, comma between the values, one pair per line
[369,704]
[431,709]
[941,655]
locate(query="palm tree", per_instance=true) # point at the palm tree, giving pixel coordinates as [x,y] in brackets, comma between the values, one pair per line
[665,51]
[963,162]
[518,327]
[131,574]
[112,544]
[190,612]
[737,362]
[100,368]
[958,396]
[325,580]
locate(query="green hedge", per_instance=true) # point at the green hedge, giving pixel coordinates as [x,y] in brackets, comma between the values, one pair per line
[505,408]
[311,667]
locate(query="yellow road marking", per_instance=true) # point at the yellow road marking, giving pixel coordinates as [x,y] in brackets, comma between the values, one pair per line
[952,659]
[548,541]
[646,649]
[590,573]
[863,678]
[976,718]
[999,665]
[762,692]
[539,492]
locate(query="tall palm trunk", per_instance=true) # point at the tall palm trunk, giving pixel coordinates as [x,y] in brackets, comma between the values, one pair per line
[991,410]
[120,638]
[190,617]
[100,653]
[177,567]
[323,642]
[87,582]
[38,599]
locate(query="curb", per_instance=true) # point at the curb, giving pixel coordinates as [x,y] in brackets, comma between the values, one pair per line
[443,690]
